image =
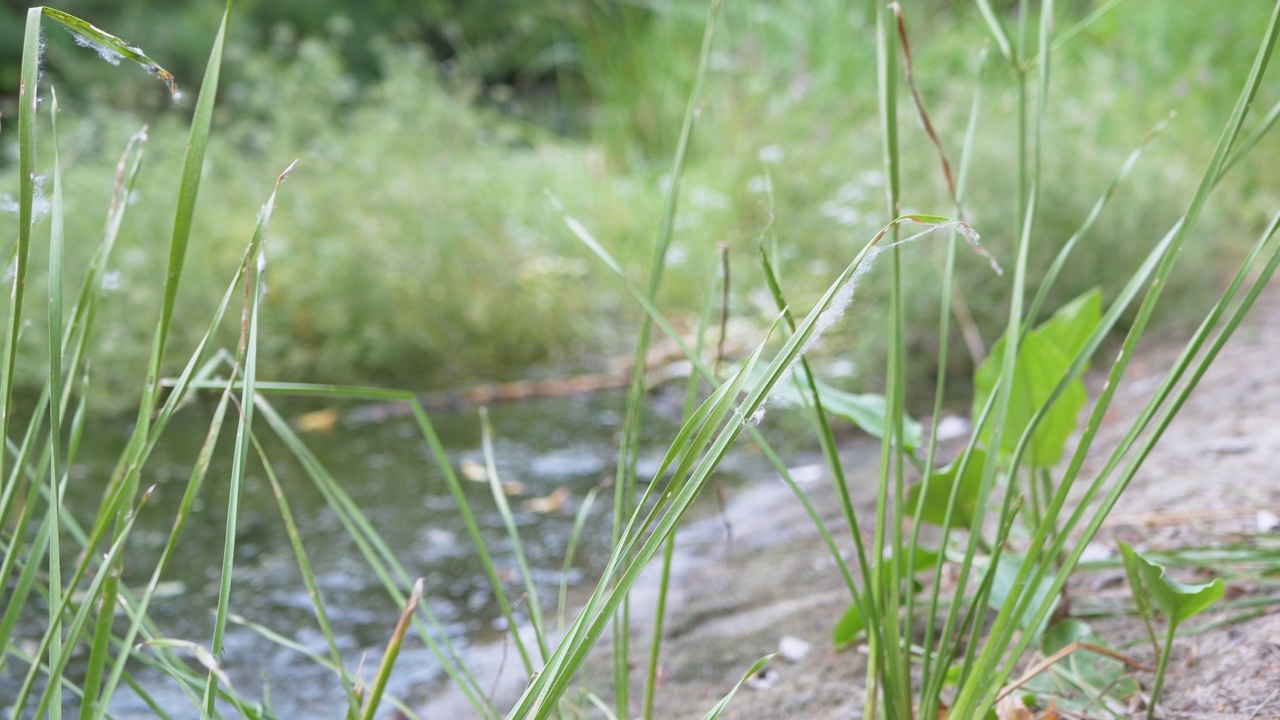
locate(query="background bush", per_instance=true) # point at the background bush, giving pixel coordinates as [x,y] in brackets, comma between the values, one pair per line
[416,246]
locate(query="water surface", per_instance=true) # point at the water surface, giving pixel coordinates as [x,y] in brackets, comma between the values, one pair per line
[389,472]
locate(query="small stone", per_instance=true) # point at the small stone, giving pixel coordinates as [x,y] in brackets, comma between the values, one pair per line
[793,649]
[1095,552]
[1111,579]
[804,474]
[953,427]
[1268,521]
[1230,446]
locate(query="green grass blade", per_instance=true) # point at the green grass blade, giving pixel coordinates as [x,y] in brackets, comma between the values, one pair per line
[375,552]
[889,661]
[931,682]
[998,31]
[327,663]
[67,684]
[392,651]
[533,602]
[668,553]
[127,473]
[826,437]
[246,358]
[629,455]
[721,706]
[831,453]
[1029,191]
[25,583]
[56,225]
[542,696]
[551,683]
[1245,146]
[110,47]
[308,576]
[184,215]
[81,319]
[1060,260]
[99,652]
[195,481]
[76,623]
[28,97]
[571,549]
[1080,26]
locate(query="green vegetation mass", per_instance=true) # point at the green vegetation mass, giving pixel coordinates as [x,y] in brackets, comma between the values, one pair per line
[417,245]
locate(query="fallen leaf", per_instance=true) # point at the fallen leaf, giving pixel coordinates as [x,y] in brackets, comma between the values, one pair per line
[473,471]
[549,504]
[1013,708]
[319,421]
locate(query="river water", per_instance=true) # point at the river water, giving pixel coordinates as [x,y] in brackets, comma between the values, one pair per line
[386,467]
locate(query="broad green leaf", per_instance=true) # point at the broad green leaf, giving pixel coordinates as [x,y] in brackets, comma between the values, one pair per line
[939,492]
[1045,357]
[924,559]
[1176,600]
[1070,327]
[851,625]
[1002,589]
[865,411]
[1095,676]
[1062,634]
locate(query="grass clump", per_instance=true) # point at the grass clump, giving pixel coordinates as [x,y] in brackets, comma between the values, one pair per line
[1014,521]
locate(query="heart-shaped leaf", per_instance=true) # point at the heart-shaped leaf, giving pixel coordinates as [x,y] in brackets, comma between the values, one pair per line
[849,628]
[1176,600]
[1094,676]
[865,411]
[1044,358]
[938,492]
[1073,323]
[1002,588]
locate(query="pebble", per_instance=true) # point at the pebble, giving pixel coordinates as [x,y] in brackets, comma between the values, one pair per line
[953,427]
[1230,446]
[1268,521]
[793,649]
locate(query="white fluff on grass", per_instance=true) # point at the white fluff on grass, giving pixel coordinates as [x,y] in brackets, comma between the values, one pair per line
[840,302]
[843,299]
[39,203]
[103,51]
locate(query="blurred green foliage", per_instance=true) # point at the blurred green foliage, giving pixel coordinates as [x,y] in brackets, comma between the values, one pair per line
[415,244]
